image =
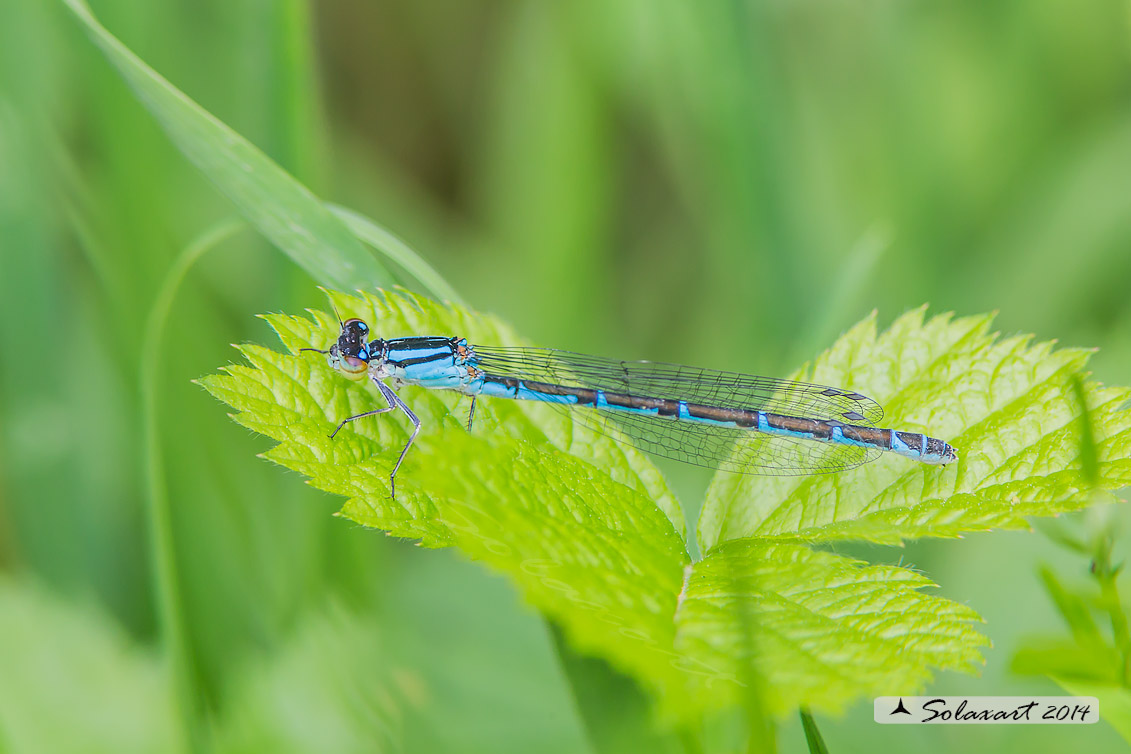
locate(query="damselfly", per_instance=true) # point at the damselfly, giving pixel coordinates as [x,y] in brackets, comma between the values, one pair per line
[723,420]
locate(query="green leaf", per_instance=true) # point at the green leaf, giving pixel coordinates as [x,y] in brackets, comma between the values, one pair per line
[1006,404]
[819,629]
[1074,608]
[589,532]
[1090,663]
[1115,702]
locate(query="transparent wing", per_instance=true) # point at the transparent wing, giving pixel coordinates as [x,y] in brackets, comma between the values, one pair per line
[728,448]
[741,451]
[672,381]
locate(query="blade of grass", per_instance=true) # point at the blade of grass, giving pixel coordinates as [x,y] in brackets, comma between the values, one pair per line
[166,585]
[296,106]
[812,734]
[398,251]
[281,208]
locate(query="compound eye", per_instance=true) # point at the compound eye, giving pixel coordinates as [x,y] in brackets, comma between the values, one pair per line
[354,367]
[355,325]
[350,367]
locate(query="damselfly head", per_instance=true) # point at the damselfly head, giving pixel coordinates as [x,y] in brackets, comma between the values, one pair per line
[350,355]
[351,340]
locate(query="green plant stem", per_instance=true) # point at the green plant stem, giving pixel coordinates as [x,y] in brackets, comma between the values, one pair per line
[761,728]
[1106,574]
[613,709]
[1119,630]
[165,582]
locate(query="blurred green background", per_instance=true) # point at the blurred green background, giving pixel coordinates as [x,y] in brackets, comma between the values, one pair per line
[727,184]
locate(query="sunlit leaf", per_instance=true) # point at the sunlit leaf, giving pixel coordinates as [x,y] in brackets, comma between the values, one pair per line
[1006,404]
[1115,702]
[591,535]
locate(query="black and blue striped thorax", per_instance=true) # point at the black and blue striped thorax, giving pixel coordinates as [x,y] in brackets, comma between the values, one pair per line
[432,362]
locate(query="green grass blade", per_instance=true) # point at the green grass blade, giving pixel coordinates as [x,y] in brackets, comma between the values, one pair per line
[281,208]
[813,734]
[166,582]
[398,251]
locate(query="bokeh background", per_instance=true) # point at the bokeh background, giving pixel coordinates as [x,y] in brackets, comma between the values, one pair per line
[730,184]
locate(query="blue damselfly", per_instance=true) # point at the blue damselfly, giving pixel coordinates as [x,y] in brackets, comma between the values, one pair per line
[724,420]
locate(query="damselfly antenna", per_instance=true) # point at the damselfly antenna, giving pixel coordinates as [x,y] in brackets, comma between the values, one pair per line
[340,325]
